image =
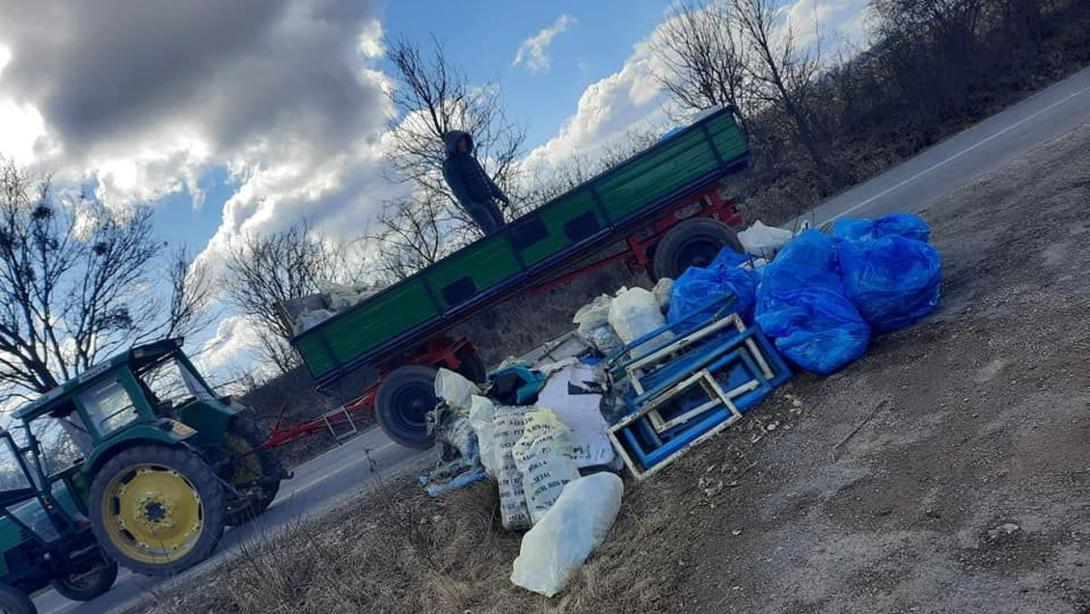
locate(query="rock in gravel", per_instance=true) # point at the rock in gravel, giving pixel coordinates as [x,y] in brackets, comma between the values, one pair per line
[1004,530]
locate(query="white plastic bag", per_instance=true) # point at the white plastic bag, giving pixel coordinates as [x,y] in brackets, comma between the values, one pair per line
[309,319]
[572,528]
[455,389]
[635,313]
[482,413]
[544,457]
[662,293]
[594,328]
[764,241]
[581,413]
[508,424]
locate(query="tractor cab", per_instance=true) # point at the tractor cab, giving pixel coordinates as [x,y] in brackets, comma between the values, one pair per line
[45,533]
[160,463]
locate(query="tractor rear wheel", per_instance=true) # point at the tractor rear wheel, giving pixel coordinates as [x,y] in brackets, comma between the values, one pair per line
[88,585]
[157,509]
[404,398]
[250,464]
[693,242]
[15,601]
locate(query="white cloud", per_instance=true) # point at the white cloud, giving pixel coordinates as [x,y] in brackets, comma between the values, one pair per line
[230,351]
[631,99]
[827,20]
[145,99]
[534,51]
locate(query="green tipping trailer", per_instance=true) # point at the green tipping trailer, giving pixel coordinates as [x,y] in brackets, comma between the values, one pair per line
[389,327]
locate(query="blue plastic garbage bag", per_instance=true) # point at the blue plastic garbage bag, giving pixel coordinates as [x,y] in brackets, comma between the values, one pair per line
[893,281]
[693,295]
[897,224]
[809,248]
[727,258]
[805,312]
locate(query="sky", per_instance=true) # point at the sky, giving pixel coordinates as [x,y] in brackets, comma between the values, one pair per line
[245,116]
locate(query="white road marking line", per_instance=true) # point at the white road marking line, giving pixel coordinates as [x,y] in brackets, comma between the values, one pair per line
[957,155]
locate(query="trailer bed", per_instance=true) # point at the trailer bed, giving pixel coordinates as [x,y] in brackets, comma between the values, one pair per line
[528,250]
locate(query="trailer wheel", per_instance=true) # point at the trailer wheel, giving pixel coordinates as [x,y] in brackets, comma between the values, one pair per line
[404,398]
[88,585]
[694,242]
[157,510]
[15,601]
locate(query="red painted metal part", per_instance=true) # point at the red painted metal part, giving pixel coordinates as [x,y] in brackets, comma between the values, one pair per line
[445,351]
[440,351]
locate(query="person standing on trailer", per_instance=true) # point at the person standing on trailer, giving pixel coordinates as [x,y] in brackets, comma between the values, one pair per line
[474,189]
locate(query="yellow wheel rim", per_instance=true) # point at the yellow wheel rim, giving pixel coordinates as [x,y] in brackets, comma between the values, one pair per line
[153,513]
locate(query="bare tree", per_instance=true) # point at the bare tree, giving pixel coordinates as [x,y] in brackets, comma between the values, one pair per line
[77,284]
[432,98]
[783,75]
[704,57]
[263,271]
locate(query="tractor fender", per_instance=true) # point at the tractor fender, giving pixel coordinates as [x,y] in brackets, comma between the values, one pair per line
[163,432]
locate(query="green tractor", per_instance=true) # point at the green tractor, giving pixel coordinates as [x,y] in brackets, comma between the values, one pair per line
[163,465]
[45,534]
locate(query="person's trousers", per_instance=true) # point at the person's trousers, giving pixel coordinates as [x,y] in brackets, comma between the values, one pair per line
[487,215]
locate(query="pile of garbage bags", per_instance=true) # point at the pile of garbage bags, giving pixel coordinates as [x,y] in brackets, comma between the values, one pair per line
[535,430]
[539,431]
[821,298]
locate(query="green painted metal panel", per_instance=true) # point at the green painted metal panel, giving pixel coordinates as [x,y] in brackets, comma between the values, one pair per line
[312,349]
[381,317]
[10,538]
[209,418]
[569,215]
[471,270]
[728,138]
[632,186]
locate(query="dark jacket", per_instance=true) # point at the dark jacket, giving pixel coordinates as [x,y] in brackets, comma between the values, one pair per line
[465,176]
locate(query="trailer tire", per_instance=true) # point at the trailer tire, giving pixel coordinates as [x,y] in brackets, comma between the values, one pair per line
[88,586]
[404,398]
[693,242]
[15,601]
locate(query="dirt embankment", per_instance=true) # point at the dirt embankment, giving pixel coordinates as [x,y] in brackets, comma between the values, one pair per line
[963,489]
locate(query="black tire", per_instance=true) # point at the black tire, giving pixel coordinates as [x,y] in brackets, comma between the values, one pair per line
[249,434]
[472,366]
[176,462]
[15,601]
[404,398]
[87,586]
[694,242]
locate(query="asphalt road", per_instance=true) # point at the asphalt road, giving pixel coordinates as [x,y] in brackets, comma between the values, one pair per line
[345,471]
[973,152]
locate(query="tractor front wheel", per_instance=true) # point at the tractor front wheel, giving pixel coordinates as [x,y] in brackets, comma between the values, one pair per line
[255,472]
[157,510]
[89,584]
[404,398]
